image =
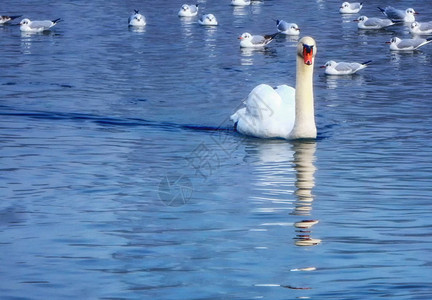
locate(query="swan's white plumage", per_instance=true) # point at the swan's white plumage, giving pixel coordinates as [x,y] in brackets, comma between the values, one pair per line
[282,112]
[268,112]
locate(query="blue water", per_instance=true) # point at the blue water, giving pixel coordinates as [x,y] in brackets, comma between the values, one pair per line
[121,176]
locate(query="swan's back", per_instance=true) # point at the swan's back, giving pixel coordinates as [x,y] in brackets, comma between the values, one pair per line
[268,112]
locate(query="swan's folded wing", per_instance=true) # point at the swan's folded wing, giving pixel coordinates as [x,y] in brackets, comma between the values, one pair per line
[287,107]
[263,101]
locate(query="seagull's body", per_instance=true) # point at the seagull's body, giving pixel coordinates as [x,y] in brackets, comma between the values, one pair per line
[398,14]
[6,19]
[208,20]
[350,8]
[248,40]
[137,19]
[287,28]
[37,26]
[397,44]
[424,28]
[240,2]
[344,68]
[373,23]
[188,10]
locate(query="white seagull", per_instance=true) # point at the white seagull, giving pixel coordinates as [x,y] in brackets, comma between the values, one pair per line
[5,19]
[350,8]
[373,23]
[240,2]
[398,14]
[37,26]
[248,40]
[287,28]
[282,112]
[397,44]
[424,28]
[188,10]
[137,19]
[208,20]
[343,68]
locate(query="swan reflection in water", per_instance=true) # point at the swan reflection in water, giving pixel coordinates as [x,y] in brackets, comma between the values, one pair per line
[283,170]
[304,158]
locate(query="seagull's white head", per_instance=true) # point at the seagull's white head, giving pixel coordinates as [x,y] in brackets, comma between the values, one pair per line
[345,5]
[330,63]
[185,7]
[361,19]
[245,36]
[410,11]
[25,22]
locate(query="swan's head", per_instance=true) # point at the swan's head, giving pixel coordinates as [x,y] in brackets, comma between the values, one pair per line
[245,36]
[306,49]
[411,11]
[25,22]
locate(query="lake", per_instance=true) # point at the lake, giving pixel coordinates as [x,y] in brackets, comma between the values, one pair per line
[121,176]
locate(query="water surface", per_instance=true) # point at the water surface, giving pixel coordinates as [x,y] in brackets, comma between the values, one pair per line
[121,176]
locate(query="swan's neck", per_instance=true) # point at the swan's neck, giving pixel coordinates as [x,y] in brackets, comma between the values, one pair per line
[304,126]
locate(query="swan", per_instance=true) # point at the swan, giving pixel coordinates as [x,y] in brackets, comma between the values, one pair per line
[282,112]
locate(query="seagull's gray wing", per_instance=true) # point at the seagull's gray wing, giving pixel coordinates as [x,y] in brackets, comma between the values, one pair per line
[426,26]
[258,39]
[393,13]
[408,43]
[193,8]
[283,26]
[356,5]
[378,22]
[41,24]
[344,66]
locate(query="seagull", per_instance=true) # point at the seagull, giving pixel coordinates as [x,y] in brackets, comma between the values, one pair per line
[397,44]
[188,10]
[248,40]
[373,23]
[398,14]
[421,28]
[6,19]
[287,28]
[208,20]
[137,19]
[344,68]
[37,26]
[240,2]
[350,8]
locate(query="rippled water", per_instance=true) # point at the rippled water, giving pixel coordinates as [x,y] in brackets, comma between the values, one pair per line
[121,177]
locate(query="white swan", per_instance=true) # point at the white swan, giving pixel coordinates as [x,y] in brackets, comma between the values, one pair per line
[283,112]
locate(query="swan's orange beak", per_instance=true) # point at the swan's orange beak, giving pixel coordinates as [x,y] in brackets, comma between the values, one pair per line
[307,54]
